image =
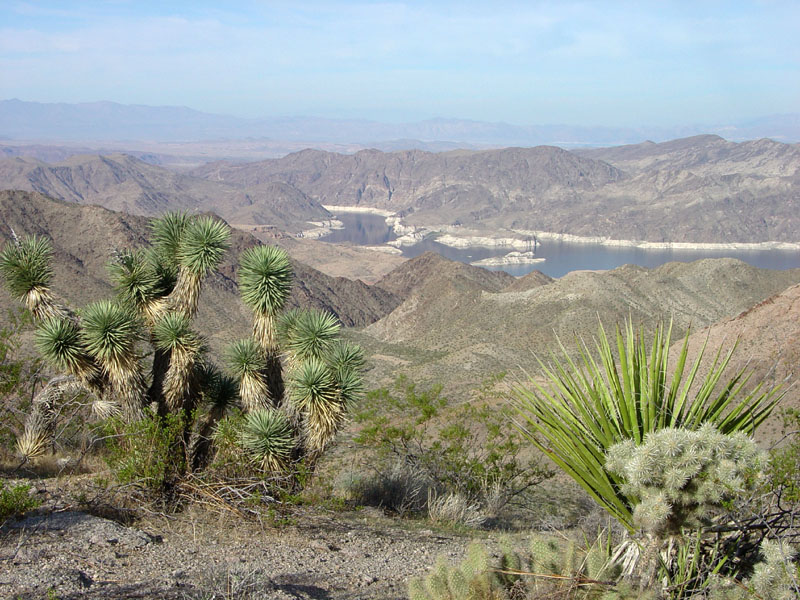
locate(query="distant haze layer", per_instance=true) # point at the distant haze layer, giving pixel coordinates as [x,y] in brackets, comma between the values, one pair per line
[109,121]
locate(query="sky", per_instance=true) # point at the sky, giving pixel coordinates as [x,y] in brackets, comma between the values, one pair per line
[577,63]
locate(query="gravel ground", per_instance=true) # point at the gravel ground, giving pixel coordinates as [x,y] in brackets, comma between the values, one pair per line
[60,552]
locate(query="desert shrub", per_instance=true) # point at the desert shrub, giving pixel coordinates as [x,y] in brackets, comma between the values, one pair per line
[19,376]
[668,457]
[15,500]
[147,452]
[467,451]
[144,365]
[784,470]
[394,486]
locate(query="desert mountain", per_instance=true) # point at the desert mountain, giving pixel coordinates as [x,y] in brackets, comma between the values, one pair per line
[124,183]
[768,337]
[84,237]
[432,269]
[456,329]
[701,189]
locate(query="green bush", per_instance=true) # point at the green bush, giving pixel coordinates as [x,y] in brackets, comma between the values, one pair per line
[15,500]
[147,452]
[468,451]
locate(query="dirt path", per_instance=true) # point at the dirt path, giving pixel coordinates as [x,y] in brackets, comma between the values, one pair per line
[64,553]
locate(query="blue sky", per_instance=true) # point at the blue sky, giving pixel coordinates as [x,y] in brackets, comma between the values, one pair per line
[582,63]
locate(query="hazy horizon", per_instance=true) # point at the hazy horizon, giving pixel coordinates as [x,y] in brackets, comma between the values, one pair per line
[612,64]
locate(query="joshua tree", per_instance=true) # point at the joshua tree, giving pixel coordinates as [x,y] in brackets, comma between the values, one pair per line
[290,415]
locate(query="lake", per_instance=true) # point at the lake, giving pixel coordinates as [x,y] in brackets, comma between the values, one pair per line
[560,258]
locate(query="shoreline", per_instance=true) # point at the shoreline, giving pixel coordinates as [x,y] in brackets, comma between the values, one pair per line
[645,245]
[333,208]
[409,235]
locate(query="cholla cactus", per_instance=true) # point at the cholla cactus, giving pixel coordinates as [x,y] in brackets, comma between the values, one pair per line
[472,580]
[680,476]
[290,416]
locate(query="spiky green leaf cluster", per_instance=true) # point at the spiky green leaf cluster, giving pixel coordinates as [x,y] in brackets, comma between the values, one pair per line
[25,265]
[133,277]
[245,357]
[173,332]
[110,332]
[203,243]
[269,439]
[59,342]
[677,477]
[265,278]
[591,404]
[314,394]
[312,334]
[167,233]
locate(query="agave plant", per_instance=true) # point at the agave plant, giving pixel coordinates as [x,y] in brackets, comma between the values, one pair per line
[25,266]
[173,334]
[268,438]
[265,278]
[202,245]
[138,284]
[248,364]
[104,346]
[110,333]
[219,395]
[59,341]
[315,395]
[312,335]
[589,405]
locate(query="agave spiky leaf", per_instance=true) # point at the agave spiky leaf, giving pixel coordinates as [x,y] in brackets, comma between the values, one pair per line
[34,439]
[110,334]
[105,408]
[220,391]
[173,333]
[167,233]
[59,342]
[587,406]
[137,283]
[25,266]
[350,385]
[313,335]
[247,362]
[202,246]
[314,394]
[268,438]
[165,271]
[345,355]
[265,279]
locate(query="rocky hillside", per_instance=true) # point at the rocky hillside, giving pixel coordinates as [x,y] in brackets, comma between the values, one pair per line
[84,236]
[124,183]
[768,337]
[700,189]
[449,328]
[431,269]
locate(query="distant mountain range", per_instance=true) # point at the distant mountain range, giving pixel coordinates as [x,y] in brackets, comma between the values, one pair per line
[105,121]
[702,189]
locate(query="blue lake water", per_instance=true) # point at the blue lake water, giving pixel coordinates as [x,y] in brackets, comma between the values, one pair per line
[560,258]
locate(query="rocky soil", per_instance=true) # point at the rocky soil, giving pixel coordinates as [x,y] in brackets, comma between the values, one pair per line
[61,551]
